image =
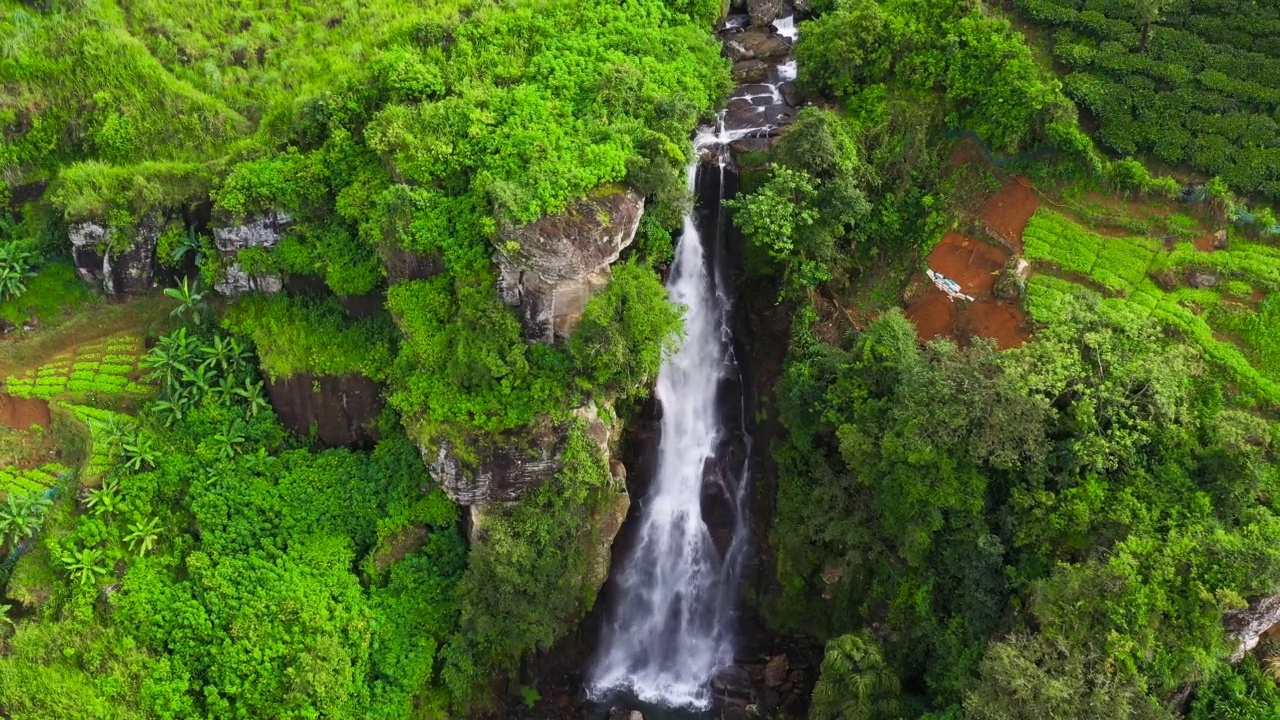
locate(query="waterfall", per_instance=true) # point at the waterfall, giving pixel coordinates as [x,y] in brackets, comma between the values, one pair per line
[677,594]
[676,602]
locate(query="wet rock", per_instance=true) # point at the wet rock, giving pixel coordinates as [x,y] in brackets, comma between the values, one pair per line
[404,264]
[87,239]
[548,269]
[343,410]
[736,51]
[775,671]
[750,144]
[803,7]
[1203,278]
[790,94]
[761,45]
[1220,241]
[750,71]
[732,680]
[1247,626]
[763,12]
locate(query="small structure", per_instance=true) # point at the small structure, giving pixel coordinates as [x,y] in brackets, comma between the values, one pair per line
[947,285]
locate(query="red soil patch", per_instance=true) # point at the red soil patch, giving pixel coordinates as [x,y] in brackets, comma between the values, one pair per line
[1204,243]
[1007,212]
[975,266]
[22,413]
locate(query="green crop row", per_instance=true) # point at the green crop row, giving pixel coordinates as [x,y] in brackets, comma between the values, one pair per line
[33,480]
[1121,265]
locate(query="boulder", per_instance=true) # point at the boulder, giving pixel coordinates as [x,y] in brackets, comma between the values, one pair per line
[750,72]
[262,231]
[1220,241]
[763,12]
[100,256]
[548,269]
[775,671]
[736,51]
[1247,626]
[503,470]
[803,7]
[1203,278]
[1013,279]
[761,45]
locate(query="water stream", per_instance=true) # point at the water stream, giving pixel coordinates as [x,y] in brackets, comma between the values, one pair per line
[674,622]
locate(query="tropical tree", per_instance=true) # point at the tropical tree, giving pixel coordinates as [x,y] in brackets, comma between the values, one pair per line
[855,684]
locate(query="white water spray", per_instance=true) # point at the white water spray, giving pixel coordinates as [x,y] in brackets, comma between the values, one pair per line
[677,595]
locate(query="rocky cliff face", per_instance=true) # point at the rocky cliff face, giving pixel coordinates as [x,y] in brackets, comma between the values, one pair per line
[263,231]
[121,260]
[549,269]
[1248,625]
[506,469]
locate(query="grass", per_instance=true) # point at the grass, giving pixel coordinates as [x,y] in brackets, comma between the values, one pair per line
[51,296]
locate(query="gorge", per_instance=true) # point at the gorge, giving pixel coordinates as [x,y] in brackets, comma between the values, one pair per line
[677,590]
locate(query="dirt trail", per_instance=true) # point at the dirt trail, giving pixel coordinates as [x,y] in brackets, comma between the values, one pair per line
[22,413]
[1005,215]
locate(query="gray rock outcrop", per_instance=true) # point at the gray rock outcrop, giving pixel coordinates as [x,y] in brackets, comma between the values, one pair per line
[101,256]
[548,269]
[1248,625]
[263,231]
[506,469]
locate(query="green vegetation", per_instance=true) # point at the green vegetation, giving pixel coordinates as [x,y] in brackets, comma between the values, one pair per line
[98,369]
[1186,83]
[1124,268]
[312,335]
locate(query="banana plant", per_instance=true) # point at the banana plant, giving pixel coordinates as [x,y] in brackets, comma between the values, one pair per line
[142,536]
[139,452]
[229,441]
[255,400]
[105,499]
[22,515]
[85,566]
[190,300]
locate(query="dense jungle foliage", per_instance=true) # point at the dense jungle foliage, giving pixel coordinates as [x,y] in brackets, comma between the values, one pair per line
[1054,530]
[1050,531]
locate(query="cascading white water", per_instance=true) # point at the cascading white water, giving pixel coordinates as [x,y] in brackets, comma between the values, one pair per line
[677,594]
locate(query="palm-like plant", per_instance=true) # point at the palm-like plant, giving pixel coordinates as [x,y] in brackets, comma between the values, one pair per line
[188,243]
[229,441]
[105,499]
[85,566]
[15,268]
[139,452]
[856,683]
[22,515]
[190,300]
[142,536]
[226,354]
